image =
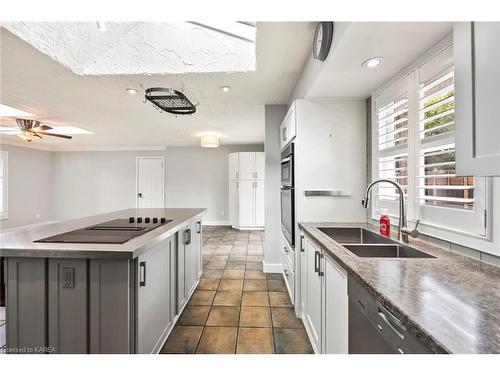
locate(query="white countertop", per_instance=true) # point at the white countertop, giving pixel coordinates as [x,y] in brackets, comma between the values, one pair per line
[19,242]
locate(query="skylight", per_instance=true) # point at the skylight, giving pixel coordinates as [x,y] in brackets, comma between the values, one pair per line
[143,48]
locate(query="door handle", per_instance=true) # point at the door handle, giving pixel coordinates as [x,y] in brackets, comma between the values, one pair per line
[142,274]
[316,267]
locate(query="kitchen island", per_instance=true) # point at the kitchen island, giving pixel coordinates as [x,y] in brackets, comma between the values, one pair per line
[125,297]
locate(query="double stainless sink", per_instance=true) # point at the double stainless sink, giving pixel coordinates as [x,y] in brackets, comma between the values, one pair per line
[367,244]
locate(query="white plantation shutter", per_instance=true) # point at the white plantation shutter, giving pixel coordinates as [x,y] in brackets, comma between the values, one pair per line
[444,199]
[391,146]
[414,145]
[3,184]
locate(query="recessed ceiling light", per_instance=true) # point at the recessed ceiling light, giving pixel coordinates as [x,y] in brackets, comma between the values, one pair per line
[131,91]
[101,26]
[373,62]
[225,88]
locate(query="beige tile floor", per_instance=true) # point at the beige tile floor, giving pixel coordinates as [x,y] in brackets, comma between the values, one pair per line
[237,308]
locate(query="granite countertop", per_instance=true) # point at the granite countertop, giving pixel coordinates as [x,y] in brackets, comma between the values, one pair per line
[451,303]
[19,242]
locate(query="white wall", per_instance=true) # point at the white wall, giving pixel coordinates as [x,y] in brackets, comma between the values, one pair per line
[29,186]
[274,115]
[88,183]
[199,177]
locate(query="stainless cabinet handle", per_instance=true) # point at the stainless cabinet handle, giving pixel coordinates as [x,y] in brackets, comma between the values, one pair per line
[286,249]
[389,319]
[199,227]
[187,236]
[320,273]
[316,266]
[302,243]
[142,274]
[285,272]
[139,195]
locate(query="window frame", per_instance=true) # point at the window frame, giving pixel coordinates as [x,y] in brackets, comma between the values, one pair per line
[4,215]
[411,74]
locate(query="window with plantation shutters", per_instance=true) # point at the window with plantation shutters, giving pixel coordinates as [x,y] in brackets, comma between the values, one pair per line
[3,184]
[414,145]
[391,144]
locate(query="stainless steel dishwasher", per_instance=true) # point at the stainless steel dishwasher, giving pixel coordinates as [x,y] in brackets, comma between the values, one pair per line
[375,330]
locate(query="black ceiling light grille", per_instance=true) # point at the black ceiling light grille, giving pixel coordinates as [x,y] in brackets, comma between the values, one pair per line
[170,100]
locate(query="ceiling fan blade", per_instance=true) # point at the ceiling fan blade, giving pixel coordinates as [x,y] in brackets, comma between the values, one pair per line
[41,127]
[10,130]
[55,135]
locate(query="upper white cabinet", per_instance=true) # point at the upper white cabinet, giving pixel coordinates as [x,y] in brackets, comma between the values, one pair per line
[233,166]
[246,189]
[477,98]
[260,165]
[288,128]
[251,165]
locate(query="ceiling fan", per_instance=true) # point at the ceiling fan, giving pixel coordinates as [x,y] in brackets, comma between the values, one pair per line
[30,130]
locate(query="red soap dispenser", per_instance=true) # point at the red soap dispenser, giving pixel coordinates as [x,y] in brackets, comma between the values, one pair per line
[385,224]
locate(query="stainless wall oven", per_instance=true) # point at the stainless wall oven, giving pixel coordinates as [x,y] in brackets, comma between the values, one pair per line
[288,194]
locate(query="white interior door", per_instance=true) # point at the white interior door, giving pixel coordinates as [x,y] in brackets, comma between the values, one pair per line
[150,182]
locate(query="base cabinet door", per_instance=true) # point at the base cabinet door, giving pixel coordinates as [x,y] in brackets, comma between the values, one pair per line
[234,199]
[153,286]
[313,290]
[259,203]
[335,313]
[246,203]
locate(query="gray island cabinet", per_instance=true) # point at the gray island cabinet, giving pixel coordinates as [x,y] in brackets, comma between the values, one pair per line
[100,298]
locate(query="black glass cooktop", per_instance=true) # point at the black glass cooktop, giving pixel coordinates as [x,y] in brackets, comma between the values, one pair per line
[113,232]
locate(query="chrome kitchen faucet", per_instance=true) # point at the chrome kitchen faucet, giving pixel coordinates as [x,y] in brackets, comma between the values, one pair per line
[403,231]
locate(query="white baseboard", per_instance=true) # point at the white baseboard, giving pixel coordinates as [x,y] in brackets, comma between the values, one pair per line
[272,267]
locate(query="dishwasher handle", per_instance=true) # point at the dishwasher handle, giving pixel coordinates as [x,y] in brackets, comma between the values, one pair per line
[393,322]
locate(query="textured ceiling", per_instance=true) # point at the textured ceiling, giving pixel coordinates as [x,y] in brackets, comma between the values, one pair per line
[32,81]
[137,47]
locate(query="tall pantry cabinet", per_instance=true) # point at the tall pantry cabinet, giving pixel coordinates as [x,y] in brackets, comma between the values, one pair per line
[246,189]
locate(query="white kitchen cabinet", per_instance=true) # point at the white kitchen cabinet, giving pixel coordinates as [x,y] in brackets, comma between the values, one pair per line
[246,165]
[324,300]
[335,312]
[247,193]
[288,128]
[233,166]
[313,289]
[260,165]
[259,203]
[155,312]
[477,95]
[246,206]
[234,203]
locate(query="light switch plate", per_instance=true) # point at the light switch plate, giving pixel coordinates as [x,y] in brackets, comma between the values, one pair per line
[68,277]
